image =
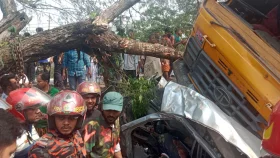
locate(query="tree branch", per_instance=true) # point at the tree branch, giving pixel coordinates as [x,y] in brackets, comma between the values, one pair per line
[17,20]
[112,12]
[8,7]
[110,42]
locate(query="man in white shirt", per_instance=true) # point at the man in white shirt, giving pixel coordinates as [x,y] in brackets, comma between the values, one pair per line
[93,69]
[131,65]
[131,62]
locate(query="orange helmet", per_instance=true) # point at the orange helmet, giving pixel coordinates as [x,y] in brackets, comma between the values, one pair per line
[25,98]
[271,135]
[89,88]
[66,103]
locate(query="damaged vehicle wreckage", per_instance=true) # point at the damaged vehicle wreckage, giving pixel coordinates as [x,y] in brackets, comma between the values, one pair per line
[232,61]
[188,125]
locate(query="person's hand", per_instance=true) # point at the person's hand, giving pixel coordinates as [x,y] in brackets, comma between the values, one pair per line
[184,41]
[89,74]
[64,75]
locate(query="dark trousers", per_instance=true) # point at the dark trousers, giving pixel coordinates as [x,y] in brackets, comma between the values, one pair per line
[130,73]
[74,81]
[29,70]
[58,81]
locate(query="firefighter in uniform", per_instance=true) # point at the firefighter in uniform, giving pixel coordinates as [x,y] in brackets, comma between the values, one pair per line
[25,104]
[65,117]
[91,93]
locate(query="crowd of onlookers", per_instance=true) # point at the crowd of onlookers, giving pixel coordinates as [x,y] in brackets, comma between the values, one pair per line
[151,66]
[75,66]
[50,121]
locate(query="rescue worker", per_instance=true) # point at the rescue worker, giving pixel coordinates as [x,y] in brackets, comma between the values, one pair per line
[102,134]
[66,113]
[25,104]
[271,135]
[91,93]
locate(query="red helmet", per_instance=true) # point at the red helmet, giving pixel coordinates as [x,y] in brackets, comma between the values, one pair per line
[66,103]
[271,135]
[25,98]
[89,88]
[4,105]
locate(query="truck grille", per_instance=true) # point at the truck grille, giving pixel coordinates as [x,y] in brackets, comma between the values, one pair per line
[213,84]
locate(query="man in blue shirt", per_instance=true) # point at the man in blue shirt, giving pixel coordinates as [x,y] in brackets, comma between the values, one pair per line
[75,61]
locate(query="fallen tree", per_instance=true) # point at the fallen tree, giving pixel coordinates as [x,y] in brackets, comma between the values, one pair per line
[81,35]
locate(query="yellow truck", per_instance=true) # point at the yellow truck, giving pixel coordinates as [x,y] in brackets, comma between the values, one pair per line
[232,57]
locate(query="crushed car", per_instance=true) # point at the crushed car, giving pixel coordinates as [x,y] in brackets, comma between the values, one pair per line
[188,125]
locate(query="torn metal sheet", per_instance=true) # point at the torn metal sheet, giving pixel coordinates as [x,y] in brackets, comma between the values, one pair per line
[162,83]
[178,99]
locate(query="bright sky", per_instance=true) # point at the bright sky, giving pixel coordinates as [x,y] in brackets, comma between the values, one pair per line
[48,19]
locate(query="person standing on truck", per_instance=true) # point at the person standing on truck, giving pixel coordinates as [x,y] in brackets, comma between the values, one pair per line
[65,117]
[101,135]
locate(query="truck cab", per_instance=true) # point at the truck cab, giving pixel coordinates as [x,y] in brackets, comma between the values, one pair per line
[232,58]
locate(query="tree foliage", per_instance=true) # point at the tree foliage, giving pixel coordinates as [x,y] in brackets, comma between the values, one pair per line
[145,17]
[140,91]
[159,14]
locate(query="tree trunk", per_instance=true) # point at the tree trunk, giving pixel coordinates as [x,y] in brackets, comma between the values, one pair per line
[73,36]
[80,35]
[47,43]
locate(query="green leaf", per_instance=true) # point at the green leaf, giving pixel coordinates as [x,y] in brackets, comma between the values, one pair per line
[12,29]
[93,15]
[140,98]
